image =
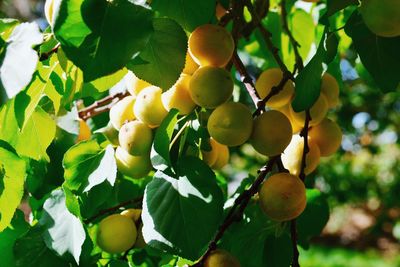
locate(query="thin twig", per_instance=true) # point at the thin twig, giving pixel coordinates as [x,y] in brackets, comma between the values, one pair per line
[306,149]
[293,234]
[237,210]
[46,55]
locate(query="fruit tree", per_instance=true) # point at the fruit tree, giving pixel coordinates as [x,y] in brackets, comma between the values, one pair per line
[118,120]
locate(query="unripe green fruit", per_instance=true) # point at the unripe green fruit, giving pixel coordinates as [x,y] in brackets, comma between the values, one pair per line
[267,80]
[149,108]
[317,111]
[327,135]
[272,133]
[330,89]
[136,138]
[134,85]
[116,234]
[282,197]
[230,124]
[122,112]
[132,166]
[382,17]
[211,45]
[292,156]
[179,97]
[210,87]
[221,258]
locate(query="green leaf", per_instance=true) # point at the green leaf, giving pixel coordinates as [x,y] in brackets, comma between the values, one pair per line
[164,55]
[16,229]
[101,36]
[12,177]
[31,251]
[314,218]
[103,84]
[160,158]
[187,13]
[300,20]
[182,212]
[334,6]
[87,164]
[7,25]
[278,251]
[64,232]
[379,55]
[20,59]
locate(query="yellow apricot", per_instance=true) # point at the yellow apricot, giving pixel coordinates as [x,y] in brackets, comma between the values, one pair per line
[272,133]
[382,17]
[122,112]
[230,124]
[210,157]
[327,135]
[317,111]
[292,156]
[282,197]
[149,108]
[132,166]
[222,157]
[218,157]
[210,87]
[270,78]
[179,97]
[211,45]
[134,85]
[330,89]
[287,110]
[135,214]
[116,234]
[190,65]
[136,138]
[221,258]
[84,131]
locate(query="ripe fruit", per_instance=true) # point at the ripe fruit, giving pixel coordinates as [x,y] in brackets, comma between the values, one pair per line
[287,110]
[134,85]
[230,124]
[221,258]
[122,112]
[84,131]
[218,157]
[136,138]
[327,135]
[272,132]
[211,45]
[134,214]
[330,89]
[178,96]
[382,17]
[149,108]
[190,65]
[283,197]
[270,78]
[292,156]
[116,234]
[317,112]
[132,166]
[210,86]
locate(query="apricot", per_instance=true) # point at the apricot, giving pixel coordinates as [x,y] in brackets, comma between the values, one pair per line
[110,133]
[270,78]
[136,138]
[282,197]
[211,45]
[222,158]
[292,156]
[190,65]
[218,157]
[134,85]
[149,108]
[84,131]
[287,110]
[122,112]
[327,135]
[272,133]
[116,234]
[210,87]
[317,111]
[132,166]
[382,17]
[230,124]
[330,89]
[179,97]
[135,214]
[221,258]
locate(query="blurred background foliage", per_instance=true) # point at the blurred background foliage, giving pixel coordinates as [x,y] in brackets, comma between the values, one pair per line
[362,180]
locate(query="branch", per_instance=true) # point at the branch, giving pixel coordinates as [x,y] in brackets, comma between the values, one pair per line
[304,134]
[134,202]
[46,55]
[293,235]
[237,209]
[101,106]
[292,40]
